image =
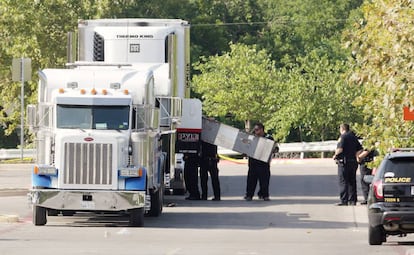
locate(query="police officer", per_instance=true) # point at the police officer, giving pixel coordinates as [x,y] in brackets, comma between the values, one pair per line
[191,163]
[346,156]
[258,171]
[363,158]
[208,164]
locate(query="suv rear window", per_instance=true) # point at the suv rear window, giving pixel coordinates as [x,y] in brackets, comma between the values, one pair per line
[399,167]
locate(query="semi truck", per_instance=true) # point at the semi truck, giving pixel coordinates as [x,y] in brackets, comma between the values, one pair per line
[111,127]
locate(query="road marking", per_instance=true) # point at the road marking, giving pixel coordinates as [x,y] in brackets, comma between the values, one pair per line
[123,231]
[409,252]
[173,252]
[9,218]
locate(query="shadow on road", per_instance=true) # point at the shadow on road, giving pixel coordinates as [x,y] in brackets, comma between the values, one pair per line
[306,190]
[177,201]
[286,185]
[209,220]
[244,220]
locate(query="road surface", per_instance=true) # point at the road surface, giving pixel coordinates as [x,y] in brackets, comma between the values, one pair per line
[300,219]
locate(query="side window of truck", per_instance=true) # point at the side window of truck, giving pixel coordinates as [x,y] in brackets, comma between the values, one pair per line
[138,118]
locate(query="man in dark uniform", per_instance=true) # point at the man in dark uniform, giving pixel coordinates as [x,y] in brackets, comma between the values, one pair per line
[363,158]
[258,171]
[191,162]
[208,164]
[346,156]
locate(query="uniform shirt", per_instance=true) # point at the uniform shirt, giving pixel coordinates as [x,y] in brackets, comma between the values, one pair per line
[370,157]
[208,150]
[350,145]
[191,159]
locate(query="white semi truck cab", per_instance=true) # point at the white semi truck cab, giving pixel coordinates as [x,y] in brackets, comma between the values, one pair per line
[106,126]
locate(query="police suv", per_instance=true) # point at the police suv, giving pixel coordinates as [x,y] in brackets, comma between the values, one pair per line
[391,197]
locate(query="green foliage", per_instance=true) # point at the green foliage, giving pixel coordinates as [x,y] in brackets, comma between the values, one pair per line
[291,77]
[383,45]
[8,142]
[236,82]
[316,96]
[309,91]
[37,30]
[218,22]
[311,95]
[297,27]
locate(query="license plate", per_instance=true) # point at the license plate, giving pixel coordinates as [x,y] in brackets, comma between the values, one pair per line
[412,190]
[91,204]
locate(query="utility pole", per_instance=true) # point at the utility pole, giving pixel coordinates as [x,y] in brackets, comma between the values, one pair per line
[21,71]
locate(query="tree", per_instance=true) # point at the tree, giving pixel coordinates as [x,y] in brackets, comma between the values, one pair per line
[316,96]
[382,42]
[216,23]
[297,27]
[292,33]
[37,29]
[236,82]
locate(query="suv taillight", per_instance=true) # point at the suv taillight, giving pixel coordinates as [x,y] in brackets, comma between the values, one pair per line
[378,191]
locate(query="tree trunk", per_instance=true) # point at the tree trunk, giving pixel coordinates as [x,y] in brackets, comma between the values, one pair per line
[247,126]
[323,139]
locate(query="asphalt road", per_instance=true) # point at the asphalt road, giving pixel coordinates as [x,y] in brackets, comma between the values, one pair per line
[300,219]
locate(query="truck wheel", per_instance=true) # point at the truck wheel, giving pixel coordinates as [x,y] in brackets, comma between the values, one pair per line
[39,215]
[136,217]
[376,235]
[156,203]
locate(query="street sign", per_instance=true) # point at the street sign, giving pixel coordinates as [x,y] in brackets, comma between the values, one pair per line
[21,68]
[408,114]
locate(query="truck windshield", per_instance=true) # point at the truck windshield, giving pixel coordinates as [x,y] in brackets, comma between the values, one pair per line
[93,117]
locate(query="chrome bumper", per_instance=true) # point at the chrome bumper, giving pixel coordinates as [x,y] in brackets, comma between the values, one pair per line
[87,200]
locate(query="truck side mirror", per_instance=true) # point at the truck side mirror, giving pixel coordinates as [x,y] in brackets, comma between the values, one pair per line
[32,116]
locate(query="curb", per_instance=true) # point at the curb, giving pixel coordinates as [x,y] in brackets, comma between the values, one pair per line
[303,161]
[9,218]
[281,161]
[13,192]
[237,161]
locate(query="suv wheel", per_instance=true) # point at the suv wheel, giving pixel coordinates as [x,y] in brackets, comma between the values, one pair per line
[376,235]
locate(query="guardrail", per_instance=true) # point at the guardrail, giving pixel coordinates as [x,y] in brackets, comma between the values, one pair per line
[299,148]
[302,148]
[16,153]
[325,146]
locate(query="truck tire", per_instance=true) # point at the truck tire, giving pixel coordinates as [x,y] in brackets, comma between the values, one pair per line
[157,198]
[376,235]
[39,216]
[136,217]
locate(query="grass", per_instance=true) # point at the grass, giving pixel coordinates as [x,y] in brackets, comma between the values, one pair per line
[17,161]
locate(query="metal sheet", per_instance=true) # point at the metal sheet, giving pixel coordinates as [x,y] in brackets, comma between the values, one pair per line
[234,139]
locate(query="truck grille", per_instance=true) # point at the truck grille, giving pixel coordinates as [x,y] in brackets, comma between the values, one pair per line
[88,163]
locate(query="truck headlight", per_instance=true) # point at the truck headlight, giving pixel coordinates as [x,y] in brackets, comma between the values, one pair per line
[45,170]
[130,172]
